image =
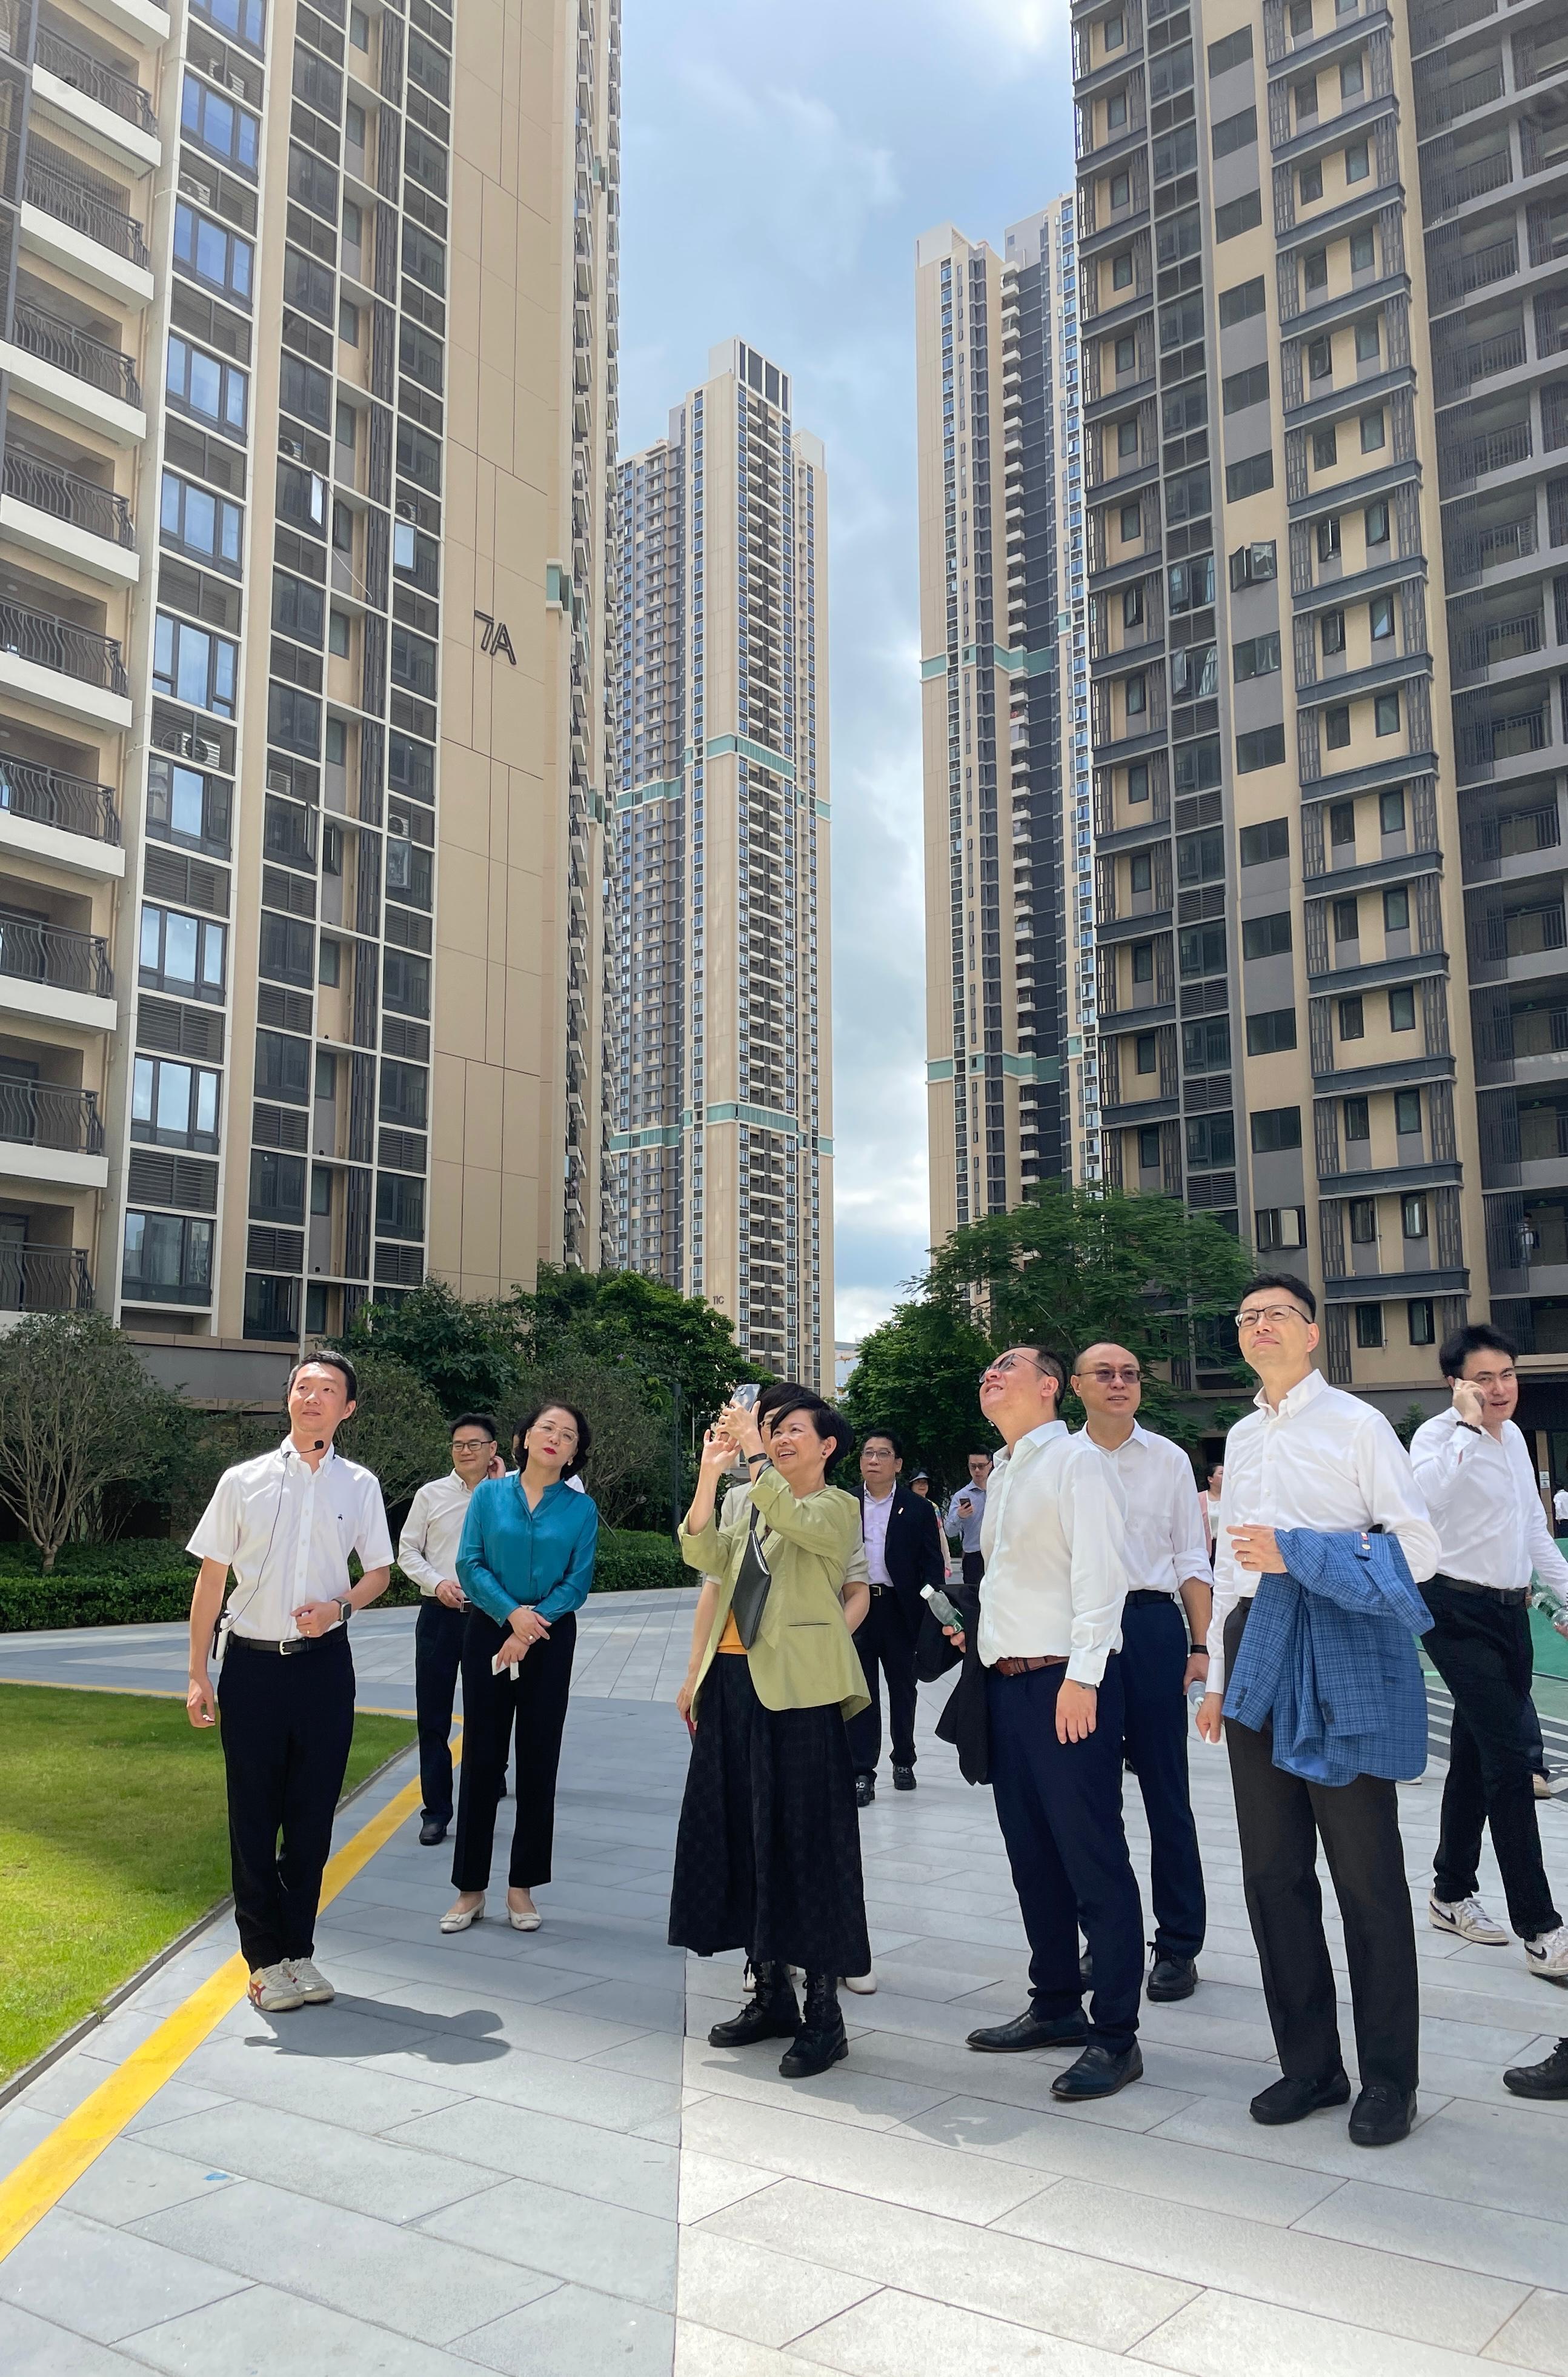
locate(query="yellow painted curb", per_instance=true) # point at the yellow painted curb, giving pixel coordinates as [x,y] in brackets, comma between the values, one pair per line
[42,2179]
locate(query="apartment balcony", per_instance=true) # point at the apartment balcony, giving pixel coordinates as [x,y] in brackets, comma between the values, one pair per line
[79,229]
[43,1279]
[50,1135]
[67,820]
[108,110]
[59,665]
[142,20]
[50,972]
[56,512]
[58,364]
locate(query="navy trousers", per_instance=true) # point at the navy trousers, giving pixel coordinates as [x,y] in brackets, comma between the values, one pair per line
[885,1640]
[287,1729]
[437,1654]
[1153,1659]
[1059,1808]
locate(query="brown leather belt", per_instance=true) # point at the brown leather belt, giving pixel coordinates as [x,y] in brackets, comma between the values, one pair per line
[1030,1667]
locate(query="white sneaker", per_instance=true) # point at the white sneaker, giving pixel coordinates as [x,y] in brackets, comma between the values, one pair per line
[1547,1955]
[274,1990]
[314,1987]
[863,1984]
[1468,1919]
[1552,1784]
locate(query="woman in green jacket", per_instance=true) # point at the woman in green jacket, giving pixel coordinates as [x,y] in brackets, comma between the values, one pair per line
[768,1853]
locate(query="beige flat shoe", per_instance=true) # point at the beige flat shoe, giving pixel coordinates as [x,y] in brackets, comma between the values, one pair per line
[458,1918]
[529,1922]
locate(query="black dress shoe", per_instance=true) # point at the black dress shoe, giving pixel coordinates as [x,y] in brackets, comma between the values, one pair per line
[1547,2079]
[773,2012]
[820,2041]
[1292,2100]
[1382,2115]
[1086,1969]
[904,1779]
[433,1831]
[1030,2029]
[1098,2073]
[1172,1977]
[865,1790]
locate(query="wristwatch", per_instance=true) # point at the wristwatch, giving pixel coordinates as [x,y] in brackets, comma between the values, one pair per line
[345,1611]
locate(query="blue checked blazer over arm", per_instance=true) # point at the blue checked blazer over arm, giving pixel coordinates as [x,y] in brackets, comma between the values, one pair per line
[1329,1656]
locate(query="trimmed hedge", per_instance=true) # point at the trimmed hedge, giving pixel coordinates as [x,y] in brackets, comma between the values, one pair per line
[142,1584]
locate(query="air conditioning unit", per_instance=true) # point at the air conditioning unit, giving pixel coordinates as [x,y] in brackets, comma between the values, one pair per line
[292,446]
[404,510]
[239,86]
[277,782]
[200,191]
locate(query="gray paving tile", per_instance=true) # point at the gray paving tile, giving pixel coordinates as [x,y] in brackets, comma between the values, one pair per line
[1535,2338]
[136,2279]
[582,2092]
[353,2095]
[264,2331]
[894,2334]
[324,2161]
[630,2001]
[131,2177]
[862,2162]
[605,2163]
[420,2285]
[573,2332]
[1459,2236]
[601,2246]
[36,2348]
[22,2127]
[865,2099]
[1228,2335]
[767,2297]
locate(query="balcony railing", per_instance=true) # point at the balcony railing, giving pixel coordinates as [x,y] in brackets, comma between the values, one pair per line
[82,502]
[1462,98]
[54,341]
[60,644]
[1484,358]
[88,74]
[1529,933]
[1507,738]
[44,1279]
[1487,840]
[37,1114]
[1499,640]
[46,796]
[1499,450]
[1461,183]
[70,202]
[51,953]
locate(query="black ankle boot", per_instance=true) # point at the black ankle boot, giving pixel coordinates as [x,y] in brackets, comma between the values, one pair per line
[773,2012]
[821,2040]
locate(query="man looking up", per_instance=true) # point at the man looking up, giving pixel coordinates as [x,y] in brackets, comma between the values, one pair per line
[1049,1633]
[427,1555]
[286,1525]
[903,1553]
[1311,1457]
[965,1515]
[1165,1625]
[1475,1469]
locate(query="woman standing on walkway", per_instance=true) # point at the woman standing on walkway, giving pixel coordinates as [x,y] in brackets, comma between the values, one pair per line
[768,1854]
[526,1563]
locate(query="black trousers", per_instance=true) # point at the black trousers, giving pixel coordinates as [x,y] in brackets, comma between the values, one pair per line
[438,1654]
[1280,1819]
[1154,1660]
[1481,1648]
[1059,1808]
[885,1640]
[973,1567]
[536,1704]
[287,1727]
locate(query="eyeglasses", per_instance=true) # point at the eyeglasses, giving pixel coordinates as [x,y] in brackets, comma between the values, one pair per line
[471,1443]
[1115,1378]
[1272,1314]
[1010,1362]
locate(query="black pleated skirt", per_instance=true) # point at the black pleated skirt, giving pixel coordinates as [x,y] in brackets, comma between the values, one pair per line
[768,1853]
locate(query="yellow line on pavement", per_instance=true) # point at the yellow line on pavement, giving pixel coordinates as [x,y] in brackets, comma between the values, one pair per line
[42,2179]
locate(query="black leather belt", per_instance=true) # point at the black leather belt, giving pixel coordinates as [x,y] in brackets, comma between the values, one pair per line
[280,1650]
[1147,1594]
[1510,1596]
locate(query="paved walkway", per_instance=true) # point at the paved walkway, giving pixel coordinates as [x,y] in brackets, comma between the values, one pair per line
[494,2152]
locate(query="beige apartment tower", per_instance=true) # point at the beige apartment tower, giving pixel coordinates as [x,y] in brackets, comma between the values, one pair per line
[1324,253]
[308,413]
[721,1151]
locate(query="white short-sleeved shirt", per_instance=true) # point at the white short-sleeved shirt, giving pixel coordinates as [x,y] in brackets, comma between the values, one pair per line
[287,1530]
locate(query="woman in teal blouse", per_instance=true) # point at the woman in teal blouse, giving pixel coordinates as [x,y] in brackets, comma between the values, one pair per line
[526,1563]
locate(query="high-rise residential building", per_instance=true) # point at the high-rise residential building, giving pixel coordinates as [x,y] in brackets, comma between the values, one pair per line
[308,424]
[1009,894]
[1323,267]
[722,1148]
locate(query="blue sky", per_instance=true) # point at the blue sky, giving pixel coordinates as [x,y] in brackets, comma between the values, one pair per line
[778,164]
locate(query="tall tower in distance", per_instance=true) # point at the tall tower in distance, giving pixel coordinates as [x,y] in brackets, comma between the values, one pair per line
[1008,917]
[721,1151]
[309,414]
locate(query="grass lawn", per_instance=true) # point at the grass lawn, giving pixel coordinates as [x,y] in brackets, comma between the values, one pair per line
[113,1838]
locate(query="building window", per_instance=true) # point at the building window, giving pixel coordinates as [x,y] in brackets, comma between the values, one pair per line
[1149,1148]
[1385,713]
[1358,1120]
[1202,950]
[174,1105]
[215,122]
[1407,1114]
[1336,725]
[1379,612]
[1328,538]
[1352,1018]
[1142,961]
[1346,920]
[1363,1220]
[1267,937]
[1126,353]
[1263,747]
[328,962]
[1331,631]
[1362,256]
[1357,162]
[1319,359]
[1278,1227]
[1211,1140]
[1205,1046]
[198,383]
[1131,606]
[1369,1326]
[181,953]
[1413,1216]
[400,1206]
[1140,871]
[1325,448]
[1115,31]
[1138,781]
[1260,843]
[1396,909]
[1421,1320]
[1137,695]
[168,1259]
[1311,183]
[1126,439]
[1147,1047]
[1275,1130]
[1132,524]
[1120,196]
[1257,656]
[1342,825]
[1369,344]
[1250,565]
[1267,1034]
[271,1307]
[1376,523]
[1116,112]
[202,522]
[221,258]
[1372,431]
[184,806]
[338,634]
[1315,267]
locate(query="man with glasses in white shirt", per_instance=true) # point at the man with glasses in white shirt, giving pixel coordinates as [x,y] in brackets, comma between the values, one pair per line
[427,1555]
[1047,1636]
[1165,1625]
[1475,1469]
[1310,1456]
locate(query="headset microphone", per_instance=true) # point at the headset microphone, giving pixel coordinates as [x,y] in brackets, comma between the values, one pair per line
[319,1445]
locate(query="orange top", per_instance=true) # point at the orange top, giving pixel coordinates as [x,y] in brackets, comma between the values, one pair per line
[730,1638]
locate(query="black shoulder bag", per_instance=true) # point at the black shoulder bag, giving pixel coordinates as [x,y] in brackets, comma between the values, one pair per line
[750,1595]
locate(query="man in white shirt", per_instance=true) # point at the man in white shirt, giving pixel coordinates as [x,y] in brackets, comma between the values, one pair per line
[427,1555]
[1475,1469]
[1310,1456]
[966,1517]
[286,1525]
[1048,1635]
[1560,1506]
[1165,1625]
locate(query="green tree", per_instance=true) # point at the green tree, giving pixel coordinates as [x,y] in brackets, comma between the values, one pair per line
[612,1315]
[78,1416]
[629,1471]
[1072,1265]
[398,1432]
[467,1350]
[919,1374]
